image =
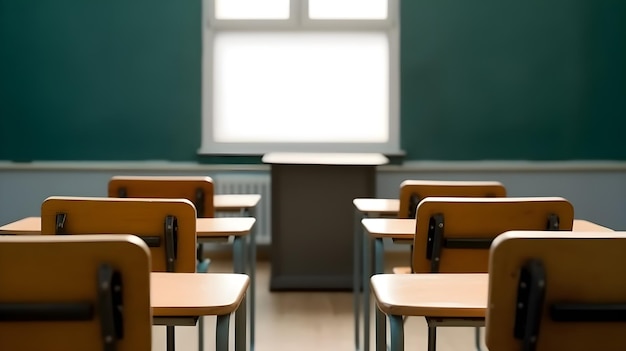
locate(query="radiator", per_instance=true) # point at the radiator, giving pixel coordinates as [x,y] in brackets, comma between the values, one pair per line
[250,184]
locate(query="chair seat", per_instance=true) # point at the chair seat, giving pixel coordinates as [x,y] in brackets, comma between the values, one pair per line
[432,295]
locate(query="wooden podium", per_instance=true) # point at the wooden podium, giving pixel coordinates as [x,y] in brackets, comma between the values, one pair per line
[313,219]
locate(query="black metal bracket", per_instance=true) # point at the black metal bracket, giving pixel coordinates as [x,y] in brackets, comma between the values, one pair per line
[467,243]
[529,304]
[45,311]
[553,222]
[435,241]
[588,312]
[121,192]
[414,200]
[111,307]
[199,203]
[151,241]
[59,226]
[171,242]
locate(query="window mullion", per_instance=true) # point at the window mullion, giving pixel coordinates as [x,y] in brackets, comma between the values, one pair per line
[296,9]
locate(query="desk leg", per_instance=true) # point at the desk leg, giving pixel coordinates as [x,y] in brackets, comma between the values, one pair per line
[240,326]
[221,340]
[240,315]
[396,331]
[252,261]
[367,272]
[200,333]
[171,342]
[357,272]
[379,268]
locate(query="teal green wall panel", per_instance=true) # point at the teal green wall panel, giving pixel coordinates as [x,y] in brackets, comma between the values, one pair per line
[100,80]
[490,79]
[537,80]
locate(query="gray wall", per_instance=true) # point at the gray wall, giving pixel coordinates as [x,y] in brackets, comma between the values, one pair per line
[597,190]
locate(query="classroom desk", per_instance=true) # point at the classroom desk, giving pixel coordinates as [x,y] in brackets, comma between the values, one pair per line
[321,184]
[462,297]
[207,229]
[182,298]
[400,231]
[244,205]
[365,208]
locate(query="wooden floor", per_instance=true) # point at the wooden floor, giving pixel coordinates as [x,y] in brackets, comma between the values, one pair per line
[303,321]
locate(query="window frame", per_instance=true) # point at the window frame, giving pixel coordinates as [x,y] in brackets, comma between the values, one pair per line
[298,21]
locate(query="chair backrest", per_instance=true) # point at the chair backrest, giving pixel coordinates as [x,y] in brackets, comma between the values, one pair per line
[453,235]
[414,191]
[88,292]
[168,226]
[557,291]
[196,189]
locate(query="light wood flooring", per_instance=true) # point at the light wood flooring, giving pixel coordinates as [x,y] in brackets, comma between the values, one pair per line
[302,321]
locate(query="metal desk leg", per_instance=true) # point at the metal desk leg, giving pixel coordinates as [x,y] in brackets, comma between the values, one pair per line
[171,342]
[252,261]
[357,271]
[240,315]
[432,338]
[240,325]
[379,268]
[367,272]
[200,333]
[396,331]
[221,340]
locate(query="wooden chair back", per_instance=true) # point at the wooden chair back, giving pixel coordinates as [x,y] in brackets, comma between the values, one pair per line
[414,191]
[199,190]
[557,291]
[453,235]
[88,292]
[168,226]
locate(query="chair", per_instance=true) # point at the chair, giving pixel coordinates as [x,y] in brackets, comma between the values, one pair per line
[197,189]
[550,291]
[93,293]
[411,193]
[414,191]
[168,226]
[453,235]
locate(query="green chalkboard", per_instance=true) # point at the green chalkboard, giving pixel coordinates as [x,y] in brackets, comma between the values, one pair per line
[100,80]
[489,79]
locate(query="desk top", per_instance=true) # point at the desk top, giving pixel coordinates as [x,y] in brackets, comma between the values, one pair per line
[205,227]
[374,206]
[28,225]
[434,295]
[224,226]
[235,202]
[340,159]
[196,294]
[405,228]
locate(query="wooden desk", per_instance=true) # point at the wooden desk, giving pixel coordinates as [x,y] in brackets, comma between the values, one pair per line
[207,229]
[437,296]
[365,208]
[402,231]
[311,196]
[181,298]
[244,205]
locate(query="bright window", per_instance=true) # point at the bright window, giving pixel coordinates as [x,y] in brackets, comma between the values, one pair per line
[321,79]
